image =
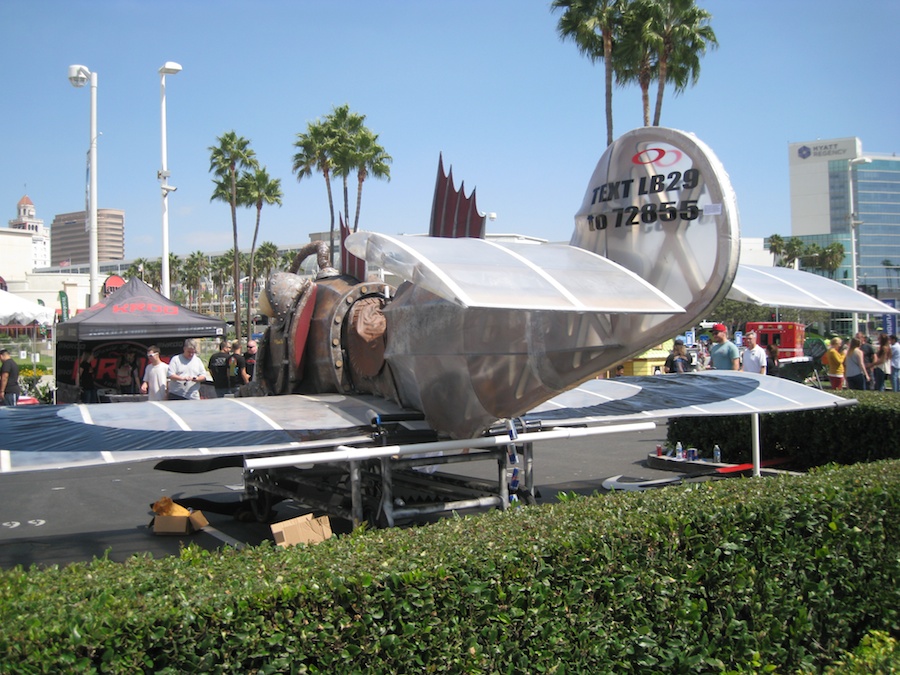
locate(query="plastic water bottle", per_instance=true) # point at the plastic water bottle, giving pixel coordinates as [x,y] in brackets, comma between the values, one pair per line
[717,454]
[679,450]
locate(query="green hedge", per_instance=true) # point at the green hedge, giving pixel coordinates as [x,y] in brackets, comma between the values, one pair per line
[876,653]
[864,432]
[735,575]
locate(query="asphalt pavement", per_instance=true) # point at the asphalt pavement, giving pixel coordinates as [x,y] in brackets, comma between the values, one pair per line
[57,517]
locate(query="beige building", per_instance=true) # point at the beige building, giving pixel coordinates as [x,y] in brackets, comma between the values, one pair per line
[27,221]
[70,243]
[15,256]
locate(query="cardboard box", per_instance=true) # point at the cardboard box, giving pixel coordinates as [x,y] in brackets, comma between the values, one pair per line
[302,530]
[179,524]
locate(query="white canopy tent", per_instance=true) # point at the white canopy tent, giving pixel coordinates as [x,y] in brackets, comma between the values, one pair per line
[787,287]
[14,309]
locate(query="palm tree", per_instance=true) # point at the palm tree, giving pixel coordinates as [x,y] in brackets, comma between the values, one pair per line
[594,26]
[257,189]
[369,158]
[153,273]
[136,269]
[776,248]
[345,128]
[227,159]
[811,257]
[195,268]
[793,249]
[832,258]
[267,258]
[634,59]
[315,154]
[222,268]
[174,270]
[287,259]
[679,33]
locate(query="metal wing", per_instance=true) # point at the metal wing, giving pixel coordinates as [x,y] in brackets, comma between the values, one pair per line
[628,399]
[485,274]
[46,437]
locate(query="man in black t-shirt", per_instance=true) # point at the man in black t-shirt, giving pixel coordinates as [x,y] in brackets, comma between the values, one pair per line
[236,368]
[218,368]
[9,379]
[250,358]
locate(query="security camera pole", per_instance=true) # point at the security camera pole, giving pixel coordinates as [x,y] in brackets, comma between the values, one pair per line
[168,68]
[78,77]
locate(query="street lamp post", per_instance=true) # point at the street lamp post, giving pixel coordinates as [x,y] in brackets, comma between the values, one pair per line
[79,76]
[168,68]
[853,223]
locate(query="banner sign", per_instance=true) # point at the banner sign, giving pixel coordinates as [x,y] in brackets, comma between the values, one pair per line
[64,304]
[889,321]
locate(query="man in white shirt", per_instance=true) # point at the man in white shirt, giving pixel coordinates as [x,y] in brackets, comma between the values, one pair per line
[754,356]
[186,373]
[155,376]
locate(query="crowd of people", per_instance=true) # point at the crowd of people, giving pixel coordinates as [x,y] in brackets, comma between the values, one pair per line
[181,378]
[859,364]
[856,364]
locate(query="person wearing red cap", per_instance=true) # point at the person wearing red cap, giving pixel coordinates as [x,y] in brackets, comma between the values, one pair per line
[723,354]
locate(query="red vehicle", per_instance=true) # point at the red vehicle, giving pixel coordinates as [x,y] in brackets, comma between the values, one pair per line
[787,335]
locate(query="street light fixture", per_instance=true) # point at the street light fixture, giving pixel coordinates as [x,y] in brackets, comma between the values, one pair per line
[168,68]
[852,214]
[79,76]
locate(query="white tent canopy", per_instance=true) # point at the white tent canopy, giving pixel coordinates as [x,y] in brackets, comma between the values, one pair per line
[787,287]
[14,309]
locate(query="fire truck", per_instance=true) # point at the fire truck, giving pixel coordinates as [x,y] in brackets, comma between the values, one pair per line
[788,336]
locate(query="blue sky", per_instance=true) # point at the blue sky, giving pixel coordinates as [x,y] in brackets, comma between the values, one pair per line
[516,112]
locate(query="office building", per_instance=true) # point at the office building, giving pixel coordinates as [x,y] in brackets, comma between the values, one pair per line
[825,176]
[70,239]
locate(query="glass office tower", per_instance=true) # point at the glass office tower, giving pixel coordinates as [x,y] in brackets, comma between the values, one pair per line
[832,179]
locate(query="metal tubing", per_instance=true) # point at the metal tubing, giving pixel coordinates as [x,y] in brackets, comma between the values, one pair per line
[356,493]
[490,453]
[387,491]
[528,453]
[502,485]
[344,453]
[481,502]
[754,425]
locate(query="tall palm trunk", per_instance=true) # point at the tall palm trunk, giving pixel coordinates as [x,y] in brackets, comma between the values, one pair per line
[608,68]
[346,200]
[236,269]
[660,90]
[252,277]
[360,176]
[327,175]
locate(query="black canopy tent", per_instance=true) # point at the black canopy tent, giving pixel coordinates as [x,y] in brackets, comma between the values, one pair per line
[131,319]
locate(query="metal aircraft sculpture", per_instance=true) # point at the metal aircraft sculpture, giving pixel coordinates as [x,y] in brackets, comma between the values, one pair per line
[481,343]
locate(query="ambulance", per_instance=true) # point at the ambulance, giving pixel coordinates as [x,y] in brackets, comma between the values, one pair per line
[788,336]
